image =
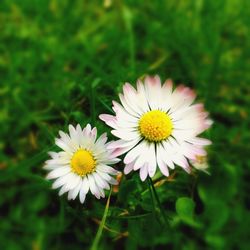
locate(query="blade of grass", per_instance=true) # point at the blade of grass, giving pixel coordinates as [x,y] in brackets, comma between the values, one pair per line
[128,19]
[100,229]
[93,99]
[106,106]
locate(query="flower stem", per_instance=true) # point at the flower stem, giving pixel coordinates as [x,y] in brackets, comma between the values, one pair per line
[166,220]
[102,224]
[152,198]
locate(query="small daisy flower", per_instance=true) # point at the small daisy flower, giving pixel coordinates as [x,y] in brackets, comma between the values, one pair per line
[200,163]
[82,165]
[157,125]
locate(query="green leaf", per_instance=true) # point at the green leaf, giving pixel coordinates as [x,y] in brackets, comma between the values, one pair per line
[228,187]
[216,241]
[185,207]
[185,210]
[217,213]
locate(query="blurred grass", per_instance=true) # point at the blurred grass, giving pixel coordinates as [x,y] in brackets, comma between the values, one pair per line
[64,61]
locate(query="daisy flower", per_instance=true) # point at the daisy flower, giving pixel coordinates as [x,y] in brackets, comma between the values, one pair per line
[82,165]
[157,126]
[200,163]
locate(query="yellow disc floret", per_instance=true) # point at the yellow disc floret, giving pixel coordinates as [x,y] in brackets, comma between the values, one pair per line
[82,162]
[155,126]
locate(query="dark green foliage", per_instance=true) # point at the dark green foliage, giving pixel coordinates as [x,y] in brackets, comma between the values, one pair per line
[64,62]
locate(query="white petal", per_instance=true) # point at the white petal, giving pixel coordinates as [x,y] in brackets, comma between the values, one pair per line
[144,172]
[73,181]
[110,161]
[58,161]
[92,184]
[131,97]
[142,97]
[74,192]
[63,145]
[93,134]
[140,161]
[51,167]
[74,135]
[79,135]
[107,177]
[61,181]
[121,144]
[127,106]
[166,94]
[110,120]
[113,181]
[102,139]
[58,172]
[63,190]
[181,161]
[82,195]
[99,151]
[128,168]
[135,152]
[200,141]
[166,153]
[122,113]
[152,160]
[120,151]
[126,135]
[107,169]
[100,182]
[87,130]
[53,154]
[153,90]
[85,185]
[68,141]
[99,193]
[160,160]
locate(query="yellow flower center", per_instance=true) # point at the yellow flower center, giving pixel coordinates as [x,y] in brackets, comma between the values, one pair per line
[155,126]
[201,159]
[82,162]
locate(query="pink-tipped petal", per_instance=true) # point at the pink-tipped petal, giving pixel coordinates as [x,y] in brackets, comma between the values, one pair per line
[128,168]
[144,172]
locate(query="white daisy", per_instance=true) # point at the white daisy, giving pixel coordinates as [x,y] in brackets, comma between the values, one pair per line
[157,126]
[82,165]
[200,163]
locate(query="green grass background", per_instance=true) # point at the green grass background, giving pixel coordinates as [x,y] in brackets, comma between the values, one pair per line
[64,61]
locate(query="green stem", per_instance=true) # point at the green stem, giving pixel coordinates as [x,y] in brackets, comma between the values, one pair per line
[101,226]
[132,216]
[166,220]
[152,197]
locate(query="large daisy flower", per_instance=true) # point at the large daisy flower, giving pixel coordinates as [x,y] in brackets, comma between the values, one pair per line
[158,126]
[82,165]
